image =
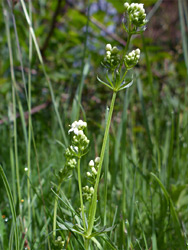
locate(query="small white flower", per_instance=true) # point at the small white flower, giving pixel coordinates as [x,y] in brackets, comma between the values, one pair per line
[80,132]
[89,174]
[108,47]
[94,171]
[137,51]
[76,126]
[142,11]
[97,159]
[141,5]
[126,5]
[76,131]
[26,169]
[80,123]
[91,190]
[91,163]
[108,53]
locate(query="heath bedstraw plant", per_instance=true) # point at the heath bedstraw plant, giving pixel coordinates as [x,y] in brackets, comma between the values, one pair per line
[73,154]
[117,64]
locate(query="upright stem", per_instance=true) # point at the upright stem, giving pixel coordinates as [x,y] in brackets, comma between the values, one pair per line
[29,130]
[86,244]
[127,44]
[81,198]
[93,206]
[55,211]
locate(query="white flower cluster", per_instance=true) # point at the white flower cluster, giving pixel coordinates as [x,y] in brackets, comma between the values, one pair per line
[112,56]
[79,144]
[94,167]
[136,13]
[72,163]
[77,126]
[111,51]
[132,58]
[88,191]
[80,141]
[70,155]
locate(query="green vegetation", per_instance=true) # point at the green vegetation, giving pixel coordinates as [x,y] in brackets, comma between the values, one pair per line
[134,193]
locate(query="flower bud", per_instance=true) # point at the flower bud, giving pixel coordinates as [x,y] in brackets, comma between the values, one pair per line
[137,51]
[108,47]
[86,188]
[89,174]
[126,5]
[91,190]
[136,14]
[91,163]
[97,159]
[59,238]
[115,50]
[94,171]
[132,58]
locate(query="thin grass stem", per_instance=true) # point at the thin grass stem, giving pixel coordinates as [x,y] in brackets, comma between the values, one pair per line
[29,130]
[14,105]
[12,207]
[55,211]
[44,71]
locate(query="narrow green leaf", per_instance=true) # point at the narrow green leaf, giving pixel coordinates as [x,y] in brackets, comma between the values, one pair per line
[102,231]
[109,242]
[71,227]
[97,243]
[104,83]
[126,85]
[12,207]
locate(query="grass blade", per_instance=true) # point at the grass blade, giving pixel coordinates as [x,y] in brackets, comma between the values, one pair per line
[174,213]
[13,211]
[44,71]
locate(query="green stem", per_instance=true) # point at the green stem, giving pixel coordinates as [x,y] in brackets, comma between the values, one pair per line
[124,75]
[55,210]
[127,44]
[29,130]
[92,211]
[86,244]
[81,198]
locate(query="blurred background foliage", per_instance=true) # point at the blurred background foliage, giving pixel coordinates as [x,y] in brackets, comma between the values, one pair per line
[151,136]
